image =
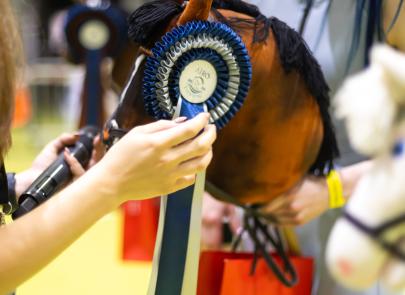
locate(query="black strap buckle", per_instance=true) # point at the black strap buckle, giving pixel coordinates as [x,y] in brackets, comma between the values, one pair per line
[112,133]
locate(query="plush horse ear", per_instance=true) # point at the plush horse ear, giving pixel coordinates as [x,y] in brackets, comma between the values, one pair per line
[195,10]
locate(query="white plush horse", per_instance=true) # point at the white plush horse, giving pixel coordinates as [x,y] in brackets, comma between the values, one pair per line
[368,242]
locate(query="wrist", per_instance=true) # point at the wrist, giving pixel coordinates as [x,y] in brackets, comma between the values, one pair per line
[347,185]
[23,180]
[351,175]
[107,188]
[324,191]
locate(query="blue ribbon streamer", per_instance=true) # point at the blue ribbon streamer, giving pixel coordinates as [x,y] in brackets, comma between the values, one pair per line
[115,20]
[176,229]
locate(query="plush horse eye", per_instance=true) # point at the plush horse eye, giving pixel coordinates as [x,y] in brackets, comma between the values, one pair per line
[399,149]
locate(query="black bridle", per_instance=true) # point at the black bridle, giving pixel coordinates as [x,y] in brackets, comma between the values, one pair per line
[377,233]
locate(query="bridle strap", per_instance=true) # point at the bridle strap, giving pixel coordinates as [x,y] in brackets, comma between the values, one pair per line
[112,134]
[117,133]
[377,232]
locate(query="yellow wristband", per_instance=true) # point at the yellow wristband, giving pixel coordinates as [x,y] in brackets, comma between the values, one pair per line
[335,188]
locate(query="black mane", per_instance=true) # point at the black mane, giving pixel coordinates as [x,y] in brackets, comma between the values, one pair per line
[295,55]
[238,6]
[149,19]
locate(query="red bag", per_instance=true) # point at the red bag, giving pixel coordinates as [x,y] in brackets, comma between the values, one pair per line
[140,226]
[227,273]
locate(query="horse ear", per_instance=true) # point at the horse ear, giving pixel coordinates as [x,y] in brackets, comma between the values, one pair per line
[195,10]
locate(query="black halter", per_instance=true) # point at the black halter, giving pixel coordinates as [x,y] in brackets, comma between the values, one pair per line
[377,233]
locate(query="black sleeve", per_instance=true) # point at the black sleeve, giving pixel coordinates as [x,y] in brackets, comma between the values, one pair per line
[12,196]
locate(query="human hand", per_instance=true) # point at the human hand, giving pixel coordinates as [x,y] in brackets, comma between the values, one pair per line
[306,201]
[50,153]
[158,158]
[214,213]
[97,153]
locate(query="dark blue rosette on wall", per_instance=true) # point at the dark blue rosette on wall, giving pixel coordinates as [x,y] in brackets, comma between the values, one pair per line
[198,67]
[93,33]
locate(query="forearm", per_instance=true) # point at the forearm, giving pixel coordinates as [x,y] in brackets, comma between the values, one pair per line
[37,238]
[22,181]
[351,175]
[151,160]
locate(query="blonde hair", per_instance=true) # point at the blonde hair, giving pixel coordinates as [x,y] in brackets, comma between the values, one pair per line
[10,59]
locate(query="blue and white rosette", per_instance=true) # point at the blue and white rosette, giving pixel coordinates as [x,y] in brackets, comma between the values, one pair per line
[93,33]
[198,67]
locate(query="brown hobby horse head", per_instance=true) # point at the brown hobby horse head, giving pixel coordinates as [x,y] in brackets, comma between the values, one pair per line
[282,132]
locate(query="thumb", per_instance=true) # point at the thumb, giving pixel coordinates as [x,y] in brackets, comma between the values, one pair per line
[98,151]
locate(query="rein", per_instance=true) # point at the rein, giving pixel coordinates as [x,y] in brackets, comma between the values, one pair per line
[255,223]
[257,229]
